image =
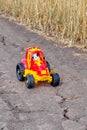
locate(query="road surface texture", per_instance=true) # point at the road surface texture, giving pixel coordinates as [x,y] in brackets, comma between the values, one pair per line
[43,107]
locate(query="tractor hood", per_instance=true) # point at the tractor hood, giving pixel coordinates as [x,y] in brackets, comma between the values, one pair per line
[40,67]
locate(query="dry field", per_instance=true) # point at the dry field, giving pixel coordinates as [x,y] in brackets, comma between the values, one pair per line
[64,20]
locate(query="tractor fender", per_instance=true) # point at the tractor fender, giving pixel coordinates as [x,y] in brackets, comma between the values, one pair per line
[24,62]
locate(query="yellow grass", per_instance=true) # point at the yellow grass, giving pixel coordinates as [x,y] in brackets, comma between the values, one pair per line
[62,19]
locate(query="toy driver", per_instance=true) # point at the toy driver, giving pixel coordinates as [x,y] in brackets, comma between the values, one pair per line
[35,56]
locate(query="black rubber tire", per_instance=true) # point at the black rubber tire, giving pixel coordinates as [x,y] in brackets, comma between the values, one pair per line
[29,81]
[48,65]
[55,79]
[20,71]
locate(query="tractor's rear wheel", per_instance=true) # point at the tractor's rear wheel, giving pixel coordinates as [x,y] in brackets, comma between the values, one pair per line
[20,71]
[55,79]
[29,81]
[48,65]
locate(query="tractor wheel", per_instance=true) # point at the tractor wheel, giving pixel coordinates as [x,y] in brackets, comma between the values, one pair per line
[48,65]
[29,81]
[20,71]
[55,80]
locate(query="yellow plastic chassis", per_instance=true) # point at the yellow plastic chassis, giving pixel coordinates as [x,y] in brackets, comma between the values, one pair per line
[38,78]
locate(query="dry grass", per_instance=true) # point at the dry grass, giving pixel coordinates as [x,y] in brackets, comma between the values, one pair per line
[61,19]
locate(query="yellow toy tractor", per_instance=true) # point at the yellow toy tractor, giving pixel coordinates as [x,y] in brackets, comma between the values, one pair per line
[34,68]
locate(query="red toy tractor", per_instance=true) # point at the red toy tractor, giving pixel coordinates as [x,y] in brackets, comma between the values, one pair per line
[34,68]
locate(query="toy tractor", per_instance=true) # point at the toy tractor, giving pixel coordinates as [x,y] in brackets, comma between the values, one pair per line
[34,68]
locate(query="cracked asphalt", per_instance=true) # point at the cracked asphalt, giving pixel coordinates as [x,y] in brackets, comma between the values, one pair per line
[43,107]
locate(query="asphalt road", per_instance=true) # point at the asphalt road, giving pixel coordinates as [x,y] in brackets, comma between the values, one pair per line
[43,107]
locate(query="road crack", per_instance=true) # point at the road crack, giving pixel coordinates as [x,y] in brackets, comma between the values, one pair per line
[65,113]
[2,39]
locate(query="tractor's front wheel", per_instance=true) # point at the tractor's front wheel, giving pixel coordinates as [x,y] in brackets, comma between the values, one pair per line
[55,80]
[29,81]
[20,71]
